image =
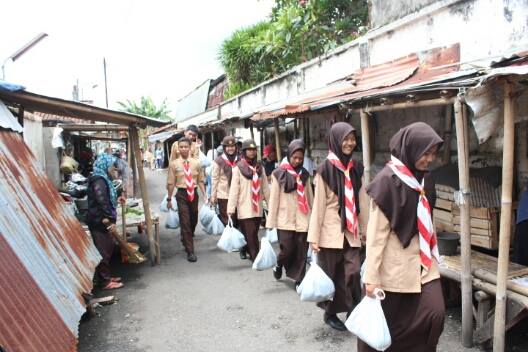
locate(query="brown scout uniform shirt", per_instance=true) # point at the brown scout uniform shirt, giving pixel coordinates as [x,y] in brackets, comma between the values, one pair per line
[284,212]
[325,222]
[220,182]
[240,195]
[389,265]
[176,176]
[194,152]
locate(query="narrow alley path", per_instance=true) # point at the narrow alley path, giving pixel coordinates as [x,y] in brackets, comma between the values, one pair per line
[217,304]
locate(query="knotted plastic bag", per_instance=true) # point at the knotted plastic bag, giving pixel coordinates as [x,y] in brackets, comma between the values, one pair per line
[316,285]
[231,238]
[173,220]
[368,322]
[266,257]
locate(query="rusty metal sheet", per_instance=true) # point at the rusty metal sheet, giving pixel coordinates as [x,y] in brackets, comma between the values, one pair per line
[47,261]
[411,70]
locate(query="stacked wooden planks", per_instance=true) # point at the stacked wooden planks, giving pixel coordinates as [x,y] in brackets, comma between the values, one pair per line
[484,221]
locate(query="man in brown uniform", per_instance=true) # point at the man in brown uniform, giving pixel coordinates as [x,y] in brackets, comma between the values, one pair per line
[249,187]
[186,175]
[222,175]
[191,133]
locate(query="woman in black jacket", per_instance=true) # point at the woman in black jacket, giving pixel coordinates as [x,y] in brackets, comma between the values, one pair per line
[102,204]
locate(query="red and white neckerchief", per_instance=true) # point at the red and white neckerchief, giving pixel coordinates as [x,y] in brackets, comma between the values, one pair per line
[350,198]
[301,196]
[189,182]
[229,162]
[255,188]
[428,241]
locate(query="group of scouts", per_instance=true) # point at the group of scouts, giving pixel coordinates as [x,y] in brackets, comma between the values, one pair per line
[401,250]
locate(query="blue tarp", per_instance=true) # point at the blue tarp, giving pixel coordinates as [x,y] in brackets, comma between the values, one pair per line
[10,87]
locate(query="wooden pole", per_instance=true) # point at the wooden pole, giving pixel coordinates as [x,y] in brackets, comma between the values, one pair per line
[134,166]
[277,140]
[295,129]
[465,235]
[365,138]
[134,139]
[505,219]
[251,131]
[446,159]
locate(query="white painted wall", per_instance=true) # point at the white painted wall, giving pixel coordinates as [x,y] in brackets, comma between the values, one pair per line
[485,29]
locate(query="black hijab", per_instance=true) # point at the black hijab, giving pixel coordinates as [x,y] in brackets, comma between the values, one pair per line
[287,180]
[332,176]
[397,200]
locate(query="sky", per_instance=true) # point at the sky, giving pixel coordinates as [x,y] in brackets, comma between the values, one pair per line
[156,48]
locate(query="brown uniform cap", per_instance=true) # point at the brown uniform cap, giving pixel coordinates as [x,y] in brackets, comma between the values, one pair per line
[228,140]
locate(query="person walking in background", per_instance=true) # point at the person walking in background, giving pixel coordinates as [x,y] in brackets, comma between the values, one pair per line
[249,188]
[191,133]
[289,207]
[334,231]
[186,175]
[222,175]
[269,160]
[402,253]
[102,205]
[159,157]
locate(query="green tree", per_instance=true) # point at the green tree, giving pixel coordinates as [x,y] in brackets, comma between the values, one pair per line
[146,107]
[298,30]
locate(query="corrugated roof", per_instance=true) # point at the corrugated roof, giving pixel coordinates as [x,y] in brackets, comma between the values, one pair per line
[61,107]
[408,71]
[47,260]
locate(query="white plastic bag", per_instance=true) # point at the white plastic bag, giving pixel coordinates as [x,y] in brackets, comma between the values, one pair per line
[216,227]
[266,257]
[231,238]
[368,323]
[206,215]
[362,273]
[316,285]
[163,205]
[271,235]
[56,140]
[173,220]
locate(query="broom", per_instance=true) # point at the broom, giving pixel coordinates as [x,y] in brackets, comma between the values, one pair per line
[134,256]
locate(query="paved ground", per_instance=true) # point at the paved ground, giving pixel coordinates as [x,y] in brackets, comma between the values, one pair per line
[217,304]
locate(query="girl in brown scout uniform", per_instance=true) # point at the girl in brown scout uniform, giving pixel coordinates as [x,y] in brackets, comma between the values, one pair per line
[222,175]
[334,226]
[249,188]
[290,205]
[186,175]
[402,256]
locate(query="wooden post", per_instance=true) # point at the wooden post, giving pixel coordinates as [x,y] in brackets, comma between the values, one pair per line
[212,141]
[446,159]
[134,166]
[295,129]
[465,235]
[365,138]
[134,139]
[277,140]
[505,219]
[251,131]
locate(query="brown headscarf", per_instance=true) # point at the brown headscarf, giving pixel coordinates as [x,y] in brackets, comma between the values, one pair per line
[287,180]
[397,200]
[228,171]
[243,166]
[333,177]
